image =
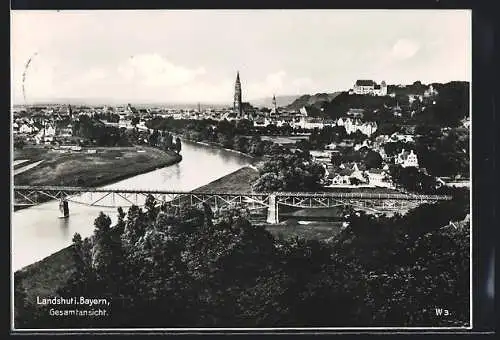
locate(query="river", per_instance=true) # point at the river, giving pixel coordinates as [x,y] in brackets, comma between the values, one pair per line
[38,231]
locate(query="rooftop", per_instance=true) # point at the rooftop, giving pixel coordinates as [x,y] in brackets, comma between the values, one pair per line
[365,82]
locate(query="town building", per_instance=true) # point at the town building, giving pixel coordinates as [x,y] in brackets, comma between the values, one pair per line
[346,174]
[466,122]
[309,123]
[366,143]
[430,92]
[355,113]
[399,137]
[353,125]
[28,128]
[46,134]
[341,178]
[406,159]
[379,178]
[369,87]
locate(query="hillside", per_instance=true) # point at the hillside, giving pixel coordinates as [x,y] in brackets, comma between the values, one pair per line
[315,100]
[281,101]
[447,108]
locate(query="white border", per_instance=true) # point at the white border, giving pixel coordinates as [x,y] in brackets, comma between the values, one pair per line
[255,330]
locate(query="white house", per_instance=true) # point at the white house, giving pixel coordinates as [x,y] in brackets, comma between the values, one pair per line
[366,143]
[353,125]
[466,122]
[27,128]
[407,159]
[355,113]
[309,123]
[46,134]
[67,131]
[339,179]
[379,178]
[430,92]
[346,173]
[397,137]
[369,87]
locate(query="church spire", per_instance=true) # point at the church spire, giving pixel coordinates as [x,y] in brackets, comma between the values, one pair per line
[275,107]
[237,94]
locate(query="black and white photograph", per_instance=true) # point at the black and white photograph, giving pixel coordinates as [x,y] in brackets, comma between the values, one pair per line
[192,170]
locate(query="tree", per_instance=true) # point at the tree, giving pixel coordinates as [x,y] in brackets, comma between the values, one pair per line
[135,120]
[336,159]
[290,172]
[168,141]
[355,181]
[154,138]
[241,144]
[178,145]
[412,179]
[373,160]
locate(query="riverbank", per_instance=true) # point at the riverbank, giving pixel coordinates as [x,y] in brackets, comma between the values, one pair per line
[239,181]
[106,166]
[220,147]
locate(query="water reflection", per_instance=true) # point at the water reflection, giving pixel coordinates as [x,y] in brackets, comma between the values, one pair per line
[38,231]
[64,226]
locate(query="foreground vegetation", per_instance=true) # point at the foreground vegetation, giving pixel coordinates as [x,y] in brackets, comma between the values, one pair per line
[190,270]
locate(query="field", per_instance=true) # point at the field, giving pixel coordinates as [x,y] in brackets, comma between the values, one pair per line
[44,277]
[83,169]
[239,181]
[308,230]
[285,139]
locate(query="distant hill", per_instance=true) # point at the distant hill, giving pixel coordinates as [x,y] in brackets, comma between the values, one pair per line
[447,108]
[315,100]
[281,101]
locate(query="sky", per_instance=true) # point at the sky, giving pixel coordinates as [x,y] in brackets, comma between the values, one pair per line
[192,56]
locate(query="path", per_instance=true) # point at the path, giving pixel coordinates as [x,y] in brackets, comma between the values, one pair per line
[26,168]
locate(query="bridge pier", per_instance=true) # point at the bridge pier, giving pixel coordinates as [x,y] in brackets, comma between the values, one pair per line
[272,211]
[64,207]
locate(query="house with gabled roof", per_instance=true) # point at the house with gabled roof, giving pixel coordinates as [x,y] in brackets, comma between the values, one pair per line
[406,159]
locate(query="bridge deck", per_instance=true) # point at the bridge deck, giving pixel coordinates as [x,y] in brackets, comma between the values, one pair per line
[353,195]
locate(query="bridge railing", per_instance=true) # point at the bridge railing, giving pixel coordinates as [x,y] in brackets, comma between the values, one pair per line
[344,195]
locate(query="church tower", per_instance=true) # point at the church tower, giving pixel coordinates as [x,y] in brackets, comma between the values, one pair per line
[237,95]
[275,107]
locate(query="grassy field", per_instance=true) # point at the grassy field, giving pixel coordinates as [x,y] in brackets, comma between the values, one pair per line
[239,181]
[107,165]
[45,277]
[312,230]
[285,139]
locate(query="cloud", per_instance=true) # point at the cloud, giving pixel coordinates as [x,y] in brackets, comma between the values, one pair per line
[404,49]
[273,83]
[275,80]
[155,70]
